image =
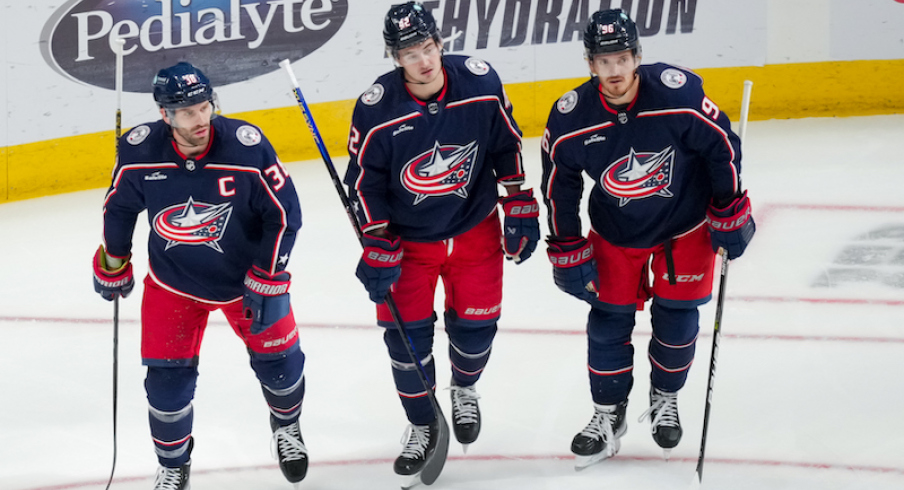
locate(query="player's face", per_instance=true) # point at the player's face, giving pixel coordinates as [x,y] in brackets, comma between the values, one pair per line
[422,63]
[191,125]
[616,72]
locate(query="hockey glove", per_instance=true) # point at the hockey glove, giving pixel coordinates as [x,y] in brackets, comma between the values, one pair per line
[574,268]
[266,300]
[731,227]
[112,283]
[521,228]
[380,265]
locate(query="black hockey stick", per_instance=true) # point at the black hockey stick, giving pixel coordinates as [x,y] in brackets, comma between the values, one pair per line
[717,333]
[717,329]
[120,43]
[435,462]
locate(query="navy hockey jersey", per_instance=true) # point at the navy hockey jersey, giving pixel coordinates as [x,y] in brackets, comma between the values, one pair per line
[430,169]
[655,164]
[212,216]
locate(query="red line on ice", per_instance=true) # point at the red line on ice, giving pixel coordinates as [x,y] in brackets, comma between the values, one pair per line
[503,330]
[529,457]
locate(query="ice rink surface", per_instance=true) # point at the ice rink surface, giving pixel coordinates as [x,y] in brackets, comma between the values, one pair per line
[808,391]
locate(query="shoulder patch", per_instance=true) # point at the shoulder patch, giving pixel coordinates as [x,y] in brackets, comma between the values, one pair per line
[673,78]
[248,135]
[138,134]
[373,95]
[477,66]
[567,102]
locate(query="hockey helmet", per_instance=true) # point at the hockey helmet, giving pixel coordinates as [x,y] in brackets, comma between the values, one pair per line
[610,31]
[406,25]
[181,85]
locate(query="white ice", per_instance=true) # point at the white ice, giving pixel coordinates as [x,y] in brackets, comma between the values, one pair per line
[808,390]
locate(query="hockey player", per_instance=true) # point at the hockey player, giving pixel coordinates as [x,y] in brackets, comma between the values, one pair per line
[223,214]
[666,195]
[429,143]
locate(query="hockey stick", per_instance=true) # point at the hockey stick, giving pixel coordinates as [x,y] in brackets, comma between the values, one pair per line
[717,333]
[434,464]
[119,54]
[717,329]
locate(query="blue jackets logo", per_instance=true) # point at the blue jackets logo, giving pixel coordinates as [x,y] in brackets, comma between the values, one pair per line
[442,171]
[230,40]
[193,223]
[640,175]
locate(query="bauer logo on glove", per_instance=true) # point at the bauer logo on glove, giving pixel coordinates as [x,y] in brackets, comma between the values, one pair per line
[731,227]
[383,257]
[574,268]
[380,265]
[572,258]
[521,227]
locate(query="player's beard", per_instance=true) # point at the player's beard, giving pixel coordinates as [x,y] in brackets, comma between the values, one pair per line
[614,92]
[189,138]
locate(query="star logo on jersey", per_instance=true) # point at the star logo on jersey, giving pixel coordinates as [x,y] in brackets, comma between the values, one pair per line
[442,171]
[193,223]
[640,175]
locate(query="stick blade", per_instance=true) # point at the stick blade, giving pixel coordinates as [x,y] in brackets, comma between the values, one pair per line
[435,462]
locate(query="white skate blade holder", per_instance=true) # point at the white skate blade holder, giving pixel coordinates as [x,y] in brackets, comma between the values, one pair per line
[582,462]
[410,481]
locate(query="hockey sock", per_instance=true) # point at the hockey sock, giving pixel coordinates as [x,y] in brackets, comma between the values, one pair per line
[404,372]
[672,346]
[610,355]
[170,413]
[470,345]
[282,382]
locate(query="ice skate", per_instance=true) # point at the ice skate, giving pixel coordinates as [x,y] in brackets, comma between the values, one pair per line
[600,439]
[288,447]
[664,422]
[173,478]
[419,443]
[465,414]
